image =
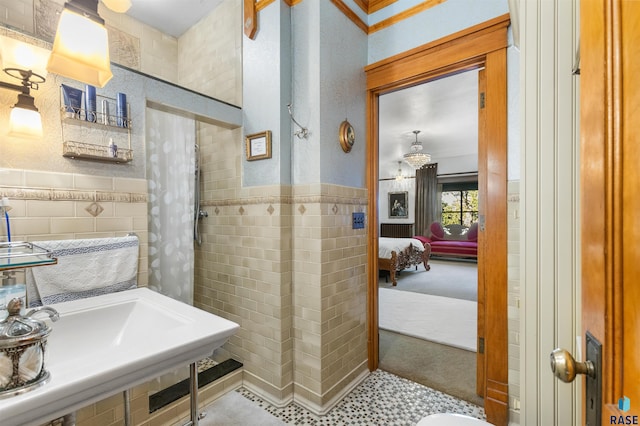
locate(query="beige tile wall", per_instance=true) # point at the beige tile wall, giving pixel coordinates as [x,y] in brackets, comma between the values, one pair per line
[210,61]
[285,264]
[18,14]
[330,288]
[243,266]
[56,206]
[110,411]
[513,298]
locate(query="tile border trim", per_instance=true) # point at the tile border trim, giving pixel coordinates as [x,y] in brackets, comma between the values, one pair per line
[309,199]
[22,193]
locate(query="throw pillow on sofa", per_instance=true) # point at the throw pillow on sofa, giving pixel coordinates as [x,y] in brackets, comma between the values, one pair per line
[472,233]
[437,231]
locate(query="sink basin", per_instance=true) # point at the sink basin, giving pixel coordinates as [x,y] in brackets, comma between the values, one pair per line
[106,344]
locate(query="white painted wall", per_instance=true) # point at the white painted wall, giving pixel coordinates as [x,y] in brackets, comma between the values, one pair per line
[550,225]
[266,76]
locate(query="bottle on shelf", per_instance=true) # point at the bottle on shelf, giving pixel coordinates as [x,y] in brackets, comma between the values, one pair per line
[113,149]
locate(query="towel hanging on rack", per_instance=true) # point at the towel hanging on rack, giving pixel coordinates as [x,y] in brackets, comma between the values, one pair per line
[86,268]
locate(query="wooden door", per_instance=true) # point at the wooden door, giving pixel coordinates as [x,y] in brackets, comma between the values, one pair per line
[610,201]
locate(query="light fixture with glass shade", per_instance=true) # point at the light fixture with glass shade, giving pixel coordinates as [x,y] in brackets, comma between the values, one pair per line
[119,6]
[416,158]
[24,119]
[81,45]
[399,176]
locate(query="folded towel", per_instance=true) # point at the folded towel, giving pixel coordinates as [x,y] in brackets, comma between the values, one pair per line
[85,268]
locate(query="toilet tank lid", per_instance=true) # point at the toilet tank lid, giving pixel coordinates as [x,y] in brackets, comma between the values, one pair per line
[450,419]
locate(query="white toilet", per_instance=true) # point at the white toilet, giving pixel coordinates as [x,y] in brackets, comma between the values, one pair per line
[450,419]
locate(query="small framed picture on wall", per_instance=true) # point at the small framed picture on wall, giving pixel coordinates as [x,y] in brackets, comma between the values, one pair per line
[399,205]
[258,146]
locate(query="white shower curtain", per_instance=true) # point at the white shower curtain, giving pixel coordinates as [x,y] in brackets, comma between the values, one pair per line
[171,177]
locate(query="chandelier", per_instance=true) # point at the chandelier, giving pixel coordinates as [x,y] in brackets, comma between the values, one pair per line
[416,158]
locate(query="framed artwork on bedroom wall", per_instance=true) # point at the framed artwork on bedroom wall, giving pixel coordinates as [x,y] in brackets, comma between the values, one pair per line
[398,205]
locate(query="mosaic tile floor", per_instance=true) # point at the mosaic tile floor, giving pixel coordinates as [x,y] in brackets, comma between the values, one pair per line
[205,364]
[382,399]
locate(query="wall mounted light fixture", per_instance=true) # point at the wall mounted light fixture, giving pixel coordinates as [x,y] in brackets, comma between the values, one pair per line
[81,46]
[25,119]
[118,6]
[18,54]
[399,176]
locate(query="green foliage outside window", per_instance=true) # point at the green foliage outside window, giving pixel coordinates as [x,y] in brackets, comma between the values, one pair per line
[460,207]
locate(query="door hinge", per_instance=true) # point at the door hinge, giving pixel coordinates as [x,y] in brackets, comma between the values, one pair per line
[480,345]
[482,100]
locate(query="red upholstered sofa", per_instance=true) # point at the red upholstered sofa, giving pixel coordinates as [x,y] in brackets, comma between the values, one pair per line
[452,240]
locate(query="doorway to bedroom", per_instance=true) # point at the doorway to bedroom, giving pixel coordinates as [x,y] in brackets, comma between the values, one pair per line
[429,318]
[481,48]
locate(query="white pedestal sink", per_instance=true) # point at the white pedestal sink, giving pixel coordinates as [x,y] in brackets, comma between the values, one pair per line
[106,344]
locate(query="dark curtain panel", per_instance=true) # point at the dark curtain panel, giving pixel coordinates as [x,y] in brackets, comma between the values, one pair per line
[428,205]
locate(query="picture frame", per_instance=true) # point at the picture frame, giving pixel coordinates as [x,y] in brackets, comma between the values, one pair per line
[258,146]
[399,205]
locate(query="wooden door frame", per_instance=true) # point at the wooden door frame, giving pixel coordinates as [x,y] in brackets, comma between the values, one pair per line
[479,47]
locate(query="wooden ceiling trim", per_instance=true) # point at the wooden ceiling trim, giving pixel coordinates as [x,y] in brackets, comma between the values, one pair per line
[368,6]
[376,5]
[351,15]
[419,8]
[291,3]
[363,5]
[261,4]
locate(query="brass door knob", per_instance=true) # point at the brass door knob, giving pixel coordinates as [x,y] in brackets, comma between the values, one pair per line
[565,367]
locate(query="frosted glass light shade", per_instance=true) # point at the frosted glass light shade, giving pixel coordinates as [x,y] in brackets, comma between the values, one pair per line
[25,123]
[118,6]
[20,55]
[81,50]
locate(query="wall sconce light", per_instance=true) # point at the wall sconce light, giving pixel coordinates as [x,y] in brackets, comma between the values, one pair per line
[399,176]
[81,46]
[17,54]
[118,6]
[25,119]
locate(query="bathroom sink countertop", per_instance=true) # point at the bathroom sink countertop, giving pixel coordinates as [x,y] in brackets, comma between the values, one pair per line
[106,344]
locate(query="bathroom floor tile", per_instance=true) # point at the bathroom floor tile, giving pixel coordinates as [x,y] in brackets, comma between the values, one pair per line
[382,399]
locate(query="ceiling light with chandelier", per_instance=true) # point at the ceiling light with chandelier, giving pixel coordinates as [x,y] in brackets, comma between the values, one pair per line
[416,158]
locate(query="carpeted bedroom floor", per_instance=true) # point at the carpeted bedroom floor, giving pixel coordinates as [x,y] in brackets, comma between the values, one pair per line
[442,367]
[448,278]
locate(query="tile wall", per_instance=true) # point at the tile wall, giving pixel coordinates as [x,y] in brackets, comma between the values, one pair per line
[285,264]
[243,268]
[63,204]
[53,206]
[330,289]
[210,62]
